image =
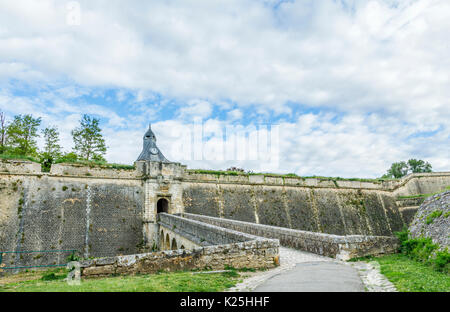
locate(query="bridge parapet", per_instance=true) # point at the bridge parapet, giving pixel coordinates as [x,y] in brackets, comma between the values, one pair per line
[336,246]
[219,248]
[201,233]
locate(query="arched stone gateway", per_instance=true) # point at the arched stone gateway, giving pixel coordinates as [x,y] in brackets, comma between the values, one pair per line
[162,205]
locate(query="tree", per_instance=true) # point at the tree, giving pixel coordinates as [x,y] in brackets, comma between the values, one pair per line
[401,169]
[418,165]
[88,139]
[52,149]
[3,128]
[22,134]
[51,138]
[398,170]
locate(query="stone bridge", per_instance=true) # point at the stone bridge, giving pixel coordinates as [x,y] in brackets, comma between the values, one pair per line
[190,244]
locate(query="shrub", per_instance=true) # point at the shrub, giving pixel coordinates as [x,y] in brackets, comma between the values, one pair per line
[423,249]
[442,261]
[73,257]
[432,216]
[55,274]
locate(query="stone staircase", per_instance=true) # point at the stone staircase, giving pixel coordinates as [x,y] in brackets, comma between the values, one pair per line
[408,207]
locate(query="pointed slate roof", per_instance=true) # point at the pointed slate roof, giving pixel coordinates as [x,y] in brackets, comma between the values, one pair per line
[150,151]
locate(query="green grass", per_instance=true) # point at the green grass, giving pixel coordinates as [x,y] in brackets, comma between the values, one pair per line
[287,175]
[447,188]
[70,161]
[52,281]
[435,214]
[18,157]
[95,164]
[412,276]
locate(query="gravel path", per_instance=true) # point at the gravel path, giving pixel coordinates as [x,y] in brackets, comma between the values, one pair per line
[304,271]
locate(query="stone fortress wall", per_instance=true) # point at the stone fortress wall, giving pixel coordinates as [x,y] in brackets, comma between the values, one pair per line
[311,204]
[98,215]
[108,212]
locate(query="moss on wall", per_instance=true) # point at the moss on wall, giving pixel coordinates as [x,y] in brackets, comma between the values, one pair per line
[300,210]
[201,199]
[354,212]
[238,203]
[394,216]
[46,217]
[330,218]
[376,214]
[270,206]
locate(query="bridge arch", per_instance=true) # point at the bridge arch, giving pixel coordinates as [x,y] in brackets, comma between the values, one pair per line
[161,240]
[174,244]
[167,242]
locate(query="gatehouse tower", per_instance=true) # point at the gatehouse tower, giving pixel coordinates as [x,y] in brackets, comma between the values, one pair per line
[162,186]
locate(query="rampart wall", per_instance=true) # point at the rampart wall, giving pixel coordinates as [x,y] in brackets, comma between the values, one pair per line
[97,216]
[311,204]
[108,212]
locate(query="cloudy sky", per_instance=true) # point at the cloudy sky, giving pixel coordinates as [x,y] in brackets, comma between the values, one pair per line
[337,87]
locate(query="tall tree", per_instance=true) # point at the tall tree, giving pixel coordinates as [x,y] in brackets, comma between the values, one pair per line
[88,139]
[418,165]
[51,139]
[402,168]
[52,149]
[398,170]
[22,133]
[3,128]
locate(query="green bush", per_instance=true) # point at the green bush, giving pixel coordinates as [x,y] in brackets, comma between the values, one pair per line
[402,236]
[442,261]
[55,274]
[432,216]
[18,157]
[71,159]
[73,257]
[423,250]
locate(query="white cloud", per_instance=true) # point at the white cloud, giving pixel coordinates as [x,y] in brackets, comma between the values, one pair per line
[380,56]
[380,65]
[195,109]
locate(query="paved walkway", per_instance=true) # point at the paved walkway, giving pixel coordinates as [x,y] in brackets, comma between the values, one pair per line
[305,272]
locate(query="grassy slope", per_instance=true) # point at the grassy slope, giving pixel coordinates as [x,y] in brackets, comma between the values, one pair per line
[411,276]
[162,282]
[288,175]
[447,188]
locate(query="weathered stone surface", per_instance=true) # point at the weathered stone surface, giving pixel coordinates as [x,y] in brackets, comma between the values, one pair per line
[237,255]
[105,212]
[336,246]
[433,220]
[229,247]
[98,270]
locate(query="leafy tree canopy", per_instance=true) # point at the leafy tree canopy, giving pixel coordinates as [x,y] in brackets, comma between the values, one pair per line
[22,133]
[52,149]
[88,139]
[402,168]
